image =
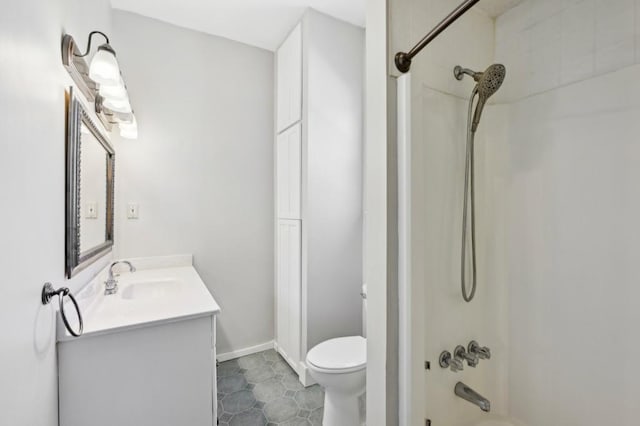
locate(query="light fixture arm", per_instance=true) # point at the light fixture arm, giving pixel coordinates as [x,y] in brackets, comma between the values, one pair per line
[91,34]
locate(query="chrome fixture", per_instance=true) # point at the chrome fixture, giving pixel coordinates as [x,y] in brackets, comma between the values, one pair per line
[111,284]
[446,360]
[488,83]
[403,60]
[471,358]
[468,394]
[101,82]
[47,294]
[481,352]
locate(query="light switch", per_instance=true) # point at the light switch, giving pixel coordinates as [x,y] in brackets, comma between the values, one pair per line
[132,211]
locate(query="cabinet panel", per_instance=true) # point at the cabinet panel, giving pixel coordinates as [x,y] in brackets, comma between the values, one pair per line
[288,173]
[289,79]
[159,375]
[288,282]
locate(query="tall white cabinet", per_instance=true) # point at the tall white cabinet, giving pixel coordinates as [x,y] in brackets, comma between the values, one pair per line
[318,163]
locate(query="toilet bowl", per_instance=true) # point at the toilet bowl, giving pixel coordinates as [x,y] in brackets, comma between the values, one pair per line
[340,366]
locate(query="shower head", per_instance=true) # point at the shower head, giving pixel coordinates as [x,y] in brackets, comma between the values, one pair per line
[488,81]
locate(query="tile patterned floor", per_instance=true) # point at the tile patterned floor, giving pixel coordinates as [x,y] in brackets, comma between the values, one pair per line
[261,389]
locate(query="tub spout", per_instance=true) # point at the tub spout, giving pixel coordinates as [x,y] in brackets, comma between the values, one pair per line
[468,394]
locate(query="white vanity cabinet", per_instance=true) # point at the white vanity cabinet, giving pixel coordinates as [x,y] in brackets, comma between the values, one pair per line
[288,172]
[289,287]
[289,80]
[318,228]
[147,356]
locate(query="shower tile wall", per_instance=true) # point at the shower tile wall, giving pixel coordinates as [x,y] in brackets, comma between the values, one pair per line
[550,43]
[573,203]
[557,205]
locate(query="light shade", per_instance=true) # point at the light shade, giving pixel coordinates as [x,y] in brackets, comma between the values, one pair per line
[117,105]
[115,91]
[129,130]
[104,68]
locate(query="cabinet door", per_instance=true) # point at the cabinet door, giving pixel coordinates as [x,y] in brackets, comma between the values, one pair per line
[289,80]
[288,284]
[288,173]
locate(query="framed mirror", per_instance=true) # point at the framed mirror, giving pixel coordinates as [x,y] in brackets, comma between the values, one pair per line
[90,168]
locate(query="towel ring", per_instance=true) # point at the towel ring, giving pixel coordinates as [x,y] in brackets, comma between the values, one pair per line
[47,294]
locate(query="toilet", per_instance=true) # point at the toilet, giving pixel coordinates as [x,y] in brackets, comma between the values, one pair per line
[340,365]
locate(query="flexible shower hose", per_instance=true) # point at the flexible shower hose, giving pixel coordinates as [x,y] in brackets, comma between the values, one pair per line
[469,184]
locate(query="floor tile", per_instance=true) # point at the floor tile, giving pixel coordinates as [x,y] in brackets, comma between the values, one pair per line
[231,384]
[251,361]
[316,417]
[228,368]
[259,374]
[238,402]
[281,409]
[263,390]
[268,390]
[310,398]
[252,417]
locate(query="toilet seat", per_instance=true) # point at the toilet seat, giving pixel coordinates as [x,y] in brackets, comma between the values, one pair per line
[339,355]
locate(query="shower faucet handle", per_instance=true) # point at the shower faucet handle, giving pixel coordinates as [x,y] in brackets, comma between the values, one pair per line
[481,352]
[446,360]
[471,358]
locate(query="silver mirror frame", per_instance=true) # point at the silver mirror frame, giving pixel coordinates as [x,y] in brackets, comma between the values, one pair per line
[76,261]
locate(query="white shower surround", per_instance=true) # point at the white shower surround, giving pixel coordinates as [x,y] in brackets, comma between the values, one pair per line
[555,204]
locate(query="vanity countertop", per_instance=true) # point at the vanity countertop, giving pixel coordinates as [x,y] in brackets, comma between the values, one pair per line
[161,290]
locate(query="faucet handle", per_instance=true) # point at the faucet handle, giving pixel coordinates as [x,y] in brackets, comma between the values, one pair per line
[456,364]
[481,352]
[446,360]
[471,358]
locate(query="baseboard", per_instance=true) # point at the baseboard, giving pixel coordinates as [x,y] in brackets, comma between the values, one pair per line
[245,351]
[305,377]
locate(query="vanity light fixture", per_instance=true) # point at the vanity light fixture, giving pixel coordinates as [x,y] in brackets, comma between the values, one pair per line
[118,105]
[104,68]
[101,82]
[129,130]
[114,91]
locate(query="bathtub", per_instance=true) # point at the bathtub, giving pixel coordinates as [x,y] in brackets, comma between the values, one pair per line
[495,420]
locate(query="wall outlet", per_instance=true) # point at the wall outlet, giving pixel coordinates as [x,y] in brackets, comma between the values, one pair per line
[132,211]
[91,211]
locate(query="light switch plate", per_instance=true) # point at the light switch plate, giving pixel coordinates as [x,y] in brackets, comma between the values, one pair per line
[132,211]
[91,211]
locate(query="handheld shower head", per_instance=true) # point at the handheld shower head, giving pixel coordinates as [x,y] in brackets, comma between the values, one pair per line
[488,81]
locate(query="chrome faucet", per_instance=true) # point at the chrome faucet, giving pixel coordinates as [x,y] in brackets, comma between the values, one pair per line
[471,358]
[481,352]
[111,284]
[468,394]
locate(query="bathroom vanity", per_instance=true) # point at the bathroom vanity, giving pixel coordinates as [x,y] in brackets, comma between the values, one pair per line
[148,352]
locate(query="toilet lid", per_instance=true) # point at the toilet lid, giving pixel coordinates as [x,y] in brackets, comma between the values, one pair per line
[341,353]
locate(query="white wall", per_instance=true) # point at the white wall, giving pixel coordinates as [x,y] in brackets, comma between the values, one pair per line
[332,182]
[573,203]
[202,168]
[375,214]
[32,172]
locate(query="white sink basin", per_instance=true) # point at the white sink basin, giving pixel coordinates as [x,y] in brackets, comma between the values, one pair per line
[150,290]
[168,289]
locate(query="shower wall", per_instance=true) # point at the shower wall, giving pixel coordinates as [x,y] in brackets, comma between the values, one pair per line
[441,319]
[573,120]
[557,208]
